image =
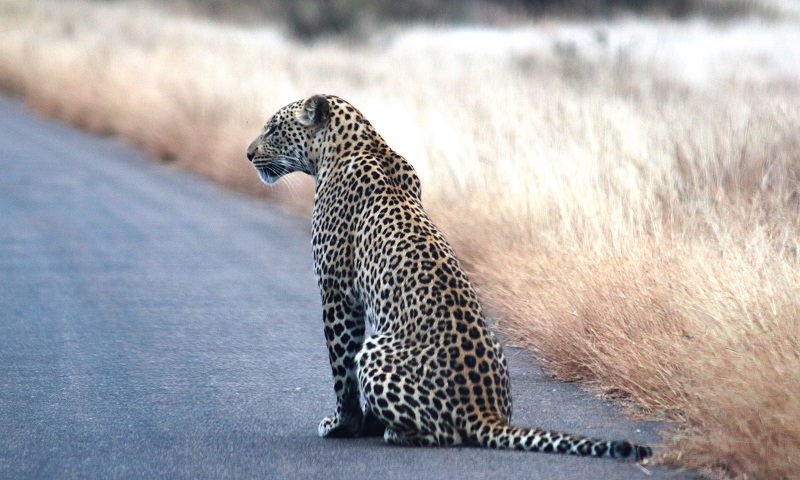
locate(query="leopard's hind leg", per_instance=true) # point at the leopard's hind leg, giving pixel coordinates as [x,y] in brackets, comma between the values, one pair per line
[394,437]
[371,426]
[399,384]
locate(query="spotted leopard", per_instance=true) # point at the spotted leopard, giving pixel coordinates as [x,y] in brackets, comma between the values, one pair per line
[432,374]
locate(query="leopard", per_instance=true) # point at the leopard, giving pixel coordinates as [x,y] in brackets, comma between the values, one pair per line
[431,373]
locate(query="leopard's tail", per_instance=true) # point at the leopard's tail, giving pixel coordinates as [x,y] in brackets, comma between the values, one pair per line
[499,434]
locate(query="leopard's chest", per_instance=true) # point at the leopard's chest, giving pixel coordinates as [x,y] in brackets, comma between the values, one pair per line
[332,239]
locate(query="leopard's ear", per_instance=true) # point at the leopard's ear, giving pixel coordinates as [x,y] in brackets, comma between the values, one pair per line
[314,112]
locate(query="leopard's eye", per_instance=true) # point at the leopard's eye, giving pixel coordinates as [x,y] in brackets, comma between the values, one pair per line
[270,130]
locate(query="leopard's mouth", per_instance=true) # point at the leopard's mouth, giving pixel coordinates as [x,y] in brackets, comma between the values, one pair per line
[266,175]
[270,171]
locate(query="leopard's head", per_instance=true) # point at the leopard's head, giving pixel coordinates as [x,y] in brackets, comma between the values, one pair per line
[292,140]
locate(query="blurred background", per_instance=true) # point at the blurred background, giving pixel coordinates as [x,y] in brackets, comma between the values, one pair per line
[313,18]
[620,177]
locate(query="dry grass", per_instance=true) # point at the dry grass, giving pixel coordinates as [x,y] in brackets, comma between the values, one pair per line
[627,196]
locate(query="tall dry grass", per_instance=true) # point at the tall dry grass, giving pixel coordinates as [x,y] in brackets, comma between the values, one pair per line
[626,195]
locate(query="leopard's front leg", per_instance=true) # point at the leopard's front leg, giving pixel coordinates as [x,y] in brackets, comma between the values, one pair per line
[344,334]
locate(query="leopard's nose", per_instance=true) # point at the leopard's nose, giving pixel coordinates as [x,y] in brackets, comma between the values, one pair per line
[251,154]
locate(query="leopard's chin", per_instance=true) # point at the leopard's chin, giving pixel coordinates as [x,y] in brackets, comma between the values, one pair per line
[266,176]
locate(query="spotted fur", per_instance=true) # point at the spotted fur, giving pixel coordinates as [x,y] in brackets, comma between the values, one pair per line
[433,374]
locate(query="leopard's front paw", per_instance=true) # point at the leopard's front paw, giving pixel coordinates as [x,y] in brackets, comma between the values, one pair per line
[336,427]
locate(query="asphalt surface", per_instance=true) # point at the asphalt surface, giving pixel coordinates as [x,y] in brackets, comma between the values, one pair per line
[155,326]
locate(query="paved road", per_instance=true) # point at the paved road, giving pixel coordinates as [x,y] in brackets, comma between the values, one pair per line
[154,326]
